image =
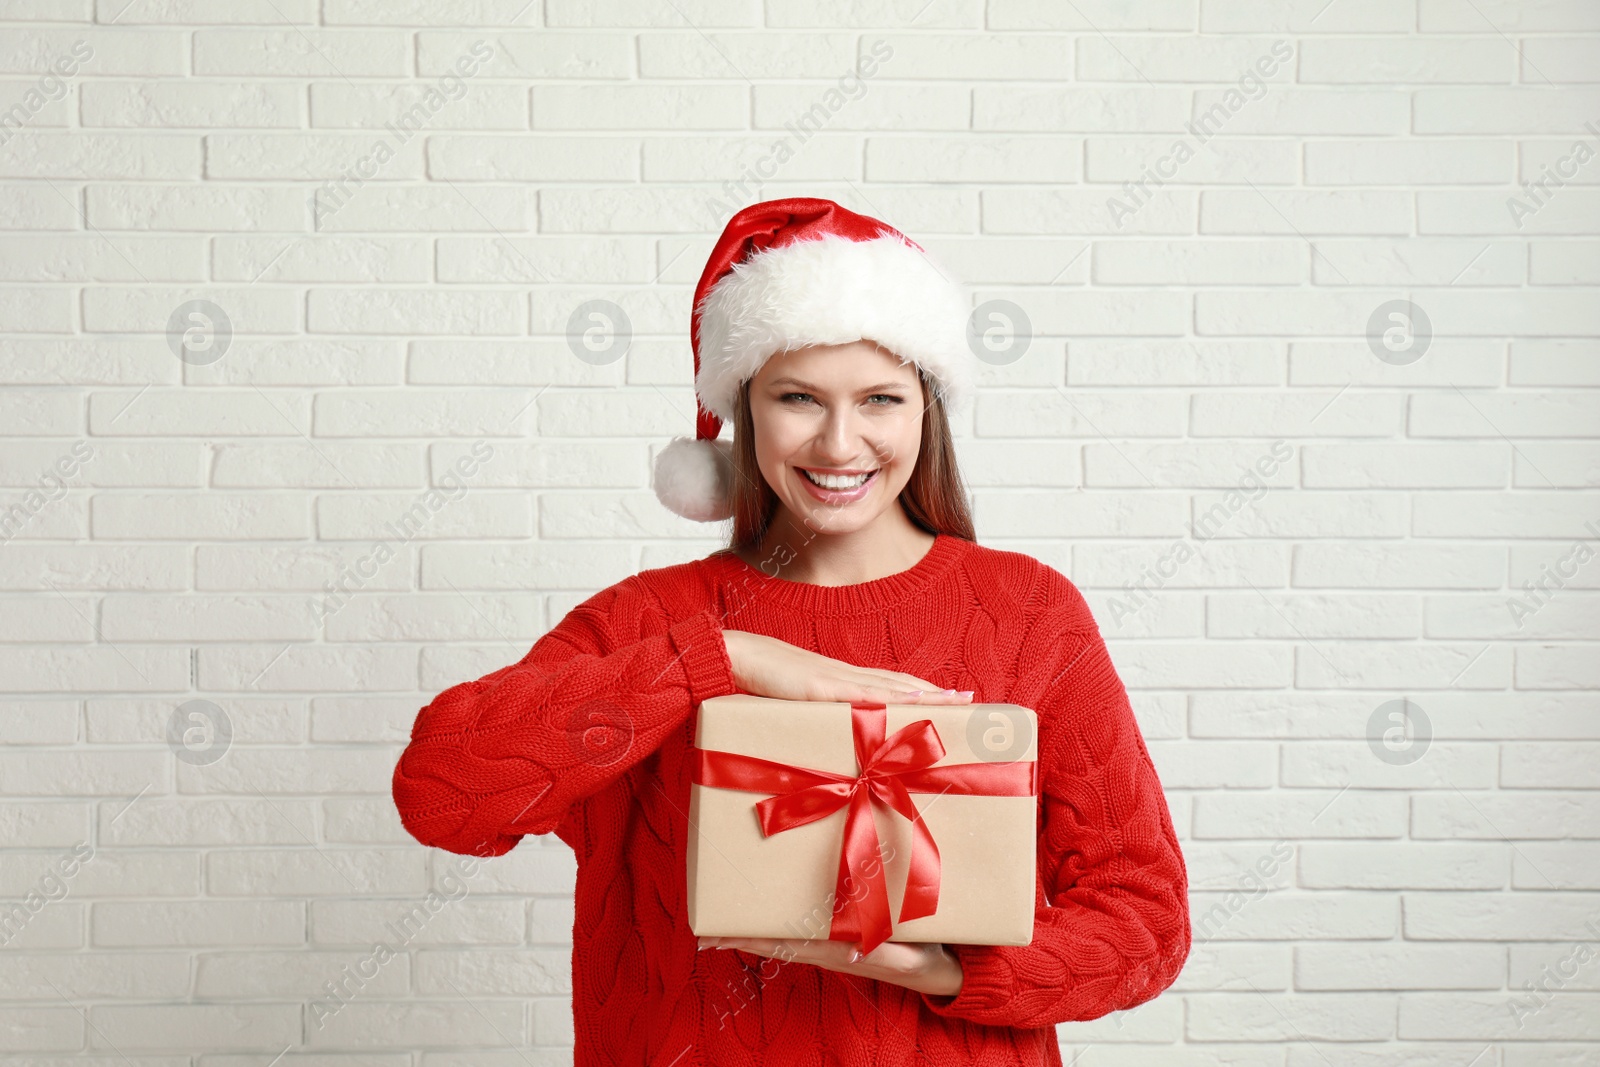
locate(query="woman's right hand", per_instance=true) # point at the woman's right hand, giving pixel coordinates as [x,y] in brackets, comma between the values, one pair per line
[766,666]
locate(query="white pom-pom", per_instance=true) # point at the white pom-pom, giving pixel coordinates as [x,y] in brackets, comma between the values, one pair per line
[694,478]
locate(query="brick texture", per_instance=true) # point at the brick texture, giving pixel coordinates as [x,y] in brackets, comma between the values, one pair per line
[298,427]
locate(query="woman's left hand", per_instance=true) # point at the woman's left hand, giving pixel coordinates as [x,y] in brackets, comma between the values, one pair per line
[923,966]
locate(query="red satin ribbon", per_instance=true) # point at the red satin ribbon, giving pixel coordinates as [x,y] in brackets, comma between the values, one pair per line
[891,769]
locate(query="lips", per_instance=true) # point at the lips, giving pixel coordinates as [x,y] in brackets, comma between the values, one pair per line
[838,496]
[841,480]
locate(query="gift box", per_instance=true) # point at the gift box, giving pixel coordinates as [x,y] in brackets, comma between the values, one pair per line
[863,822]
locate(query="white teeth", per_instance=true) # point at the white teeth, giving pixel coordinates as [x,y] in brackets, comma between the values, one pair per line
[838,481]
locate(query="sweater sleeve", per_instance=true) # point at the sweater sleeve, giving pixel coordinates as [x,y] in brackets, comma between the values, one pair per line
[513,752]
[1113,929]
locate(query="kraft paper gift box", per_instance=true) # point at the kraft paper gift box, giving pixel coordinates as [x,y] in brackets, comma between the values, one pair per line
[777,784]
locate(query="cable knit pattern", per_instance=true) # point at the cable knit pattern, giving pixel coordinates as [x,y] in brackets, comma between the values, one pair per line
[588,736]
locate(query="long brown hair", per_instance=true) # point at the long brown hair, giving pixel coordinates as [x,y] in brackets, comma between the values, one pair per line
[933,499]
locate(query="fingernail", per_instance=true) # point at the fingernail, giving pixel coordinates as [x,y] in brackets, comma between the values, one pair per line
[914,693]
[965,693]
[701,941]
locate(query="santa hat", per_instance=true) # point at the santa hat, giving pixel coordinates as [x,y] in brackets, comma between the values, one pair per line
[803,271]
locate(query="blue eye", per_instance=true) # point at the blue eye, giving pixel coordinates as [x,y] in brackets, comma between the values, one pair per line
[804,397]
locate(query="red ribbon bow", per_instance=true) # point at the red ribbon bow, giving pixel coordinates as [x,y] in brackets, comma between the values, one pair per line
[890,770]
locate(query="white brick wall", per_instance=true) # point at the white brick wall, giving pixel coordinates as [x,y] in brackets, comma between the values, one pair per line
[1281,533]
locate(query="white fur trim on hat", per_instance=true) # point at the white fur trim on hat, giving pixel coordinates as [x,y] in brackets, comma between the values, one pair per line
[694,478]
[828,291]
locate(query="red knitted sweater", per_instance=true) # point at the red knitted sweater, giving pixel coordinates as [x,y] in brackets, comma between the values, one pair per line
[589,736]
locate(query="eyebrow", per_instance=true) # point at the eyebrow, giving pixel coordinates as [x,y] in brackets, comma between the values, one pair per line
[868,389]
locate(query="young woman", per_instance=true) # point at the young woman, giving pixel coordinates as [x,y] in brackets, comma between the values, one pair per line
[852,574]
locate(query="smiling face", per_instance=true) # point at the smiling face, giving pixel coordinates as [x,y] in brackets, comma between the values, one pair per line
[837,432]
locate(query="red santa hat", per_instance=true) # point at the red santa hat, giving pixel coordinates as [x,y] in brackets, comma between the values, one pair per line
[804,271]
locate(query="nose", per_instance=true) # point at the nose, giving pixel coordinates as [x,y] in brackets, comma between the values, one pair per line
[841,442]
